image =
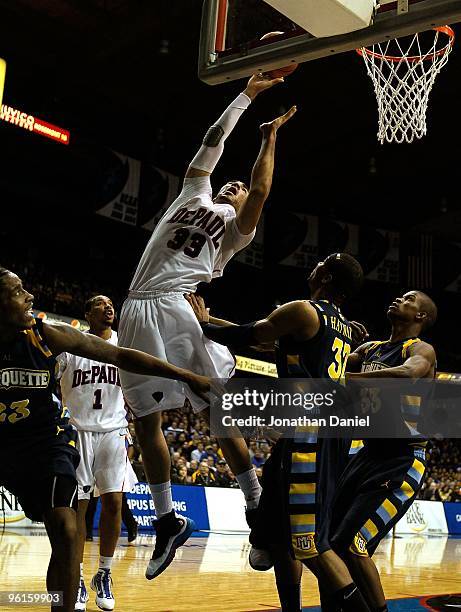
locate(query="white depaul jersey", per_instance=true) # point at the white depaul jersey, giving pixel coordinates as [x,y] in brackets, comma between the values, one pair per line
[192,242]
[91,392]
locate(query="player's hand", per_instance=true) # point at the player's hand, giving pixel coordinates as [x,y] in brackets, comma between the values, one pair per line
[359,333]
[273,126]
[258,83]
[198,306]
[204,387]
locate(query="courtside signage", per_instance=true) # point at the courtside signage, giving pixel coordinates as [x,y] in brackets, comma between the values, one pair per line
[32,124]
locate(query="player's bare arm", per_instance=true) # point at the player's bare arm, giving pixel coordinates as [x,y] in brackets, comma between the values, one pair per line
[420,364]
[261,176]
[211,150]
[295,318]
[203,313]
[356,358]
[62,338]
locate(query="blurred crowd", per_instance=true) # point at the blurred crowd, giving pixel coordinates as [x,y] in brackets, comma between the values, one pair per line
[443,482]
[196,458]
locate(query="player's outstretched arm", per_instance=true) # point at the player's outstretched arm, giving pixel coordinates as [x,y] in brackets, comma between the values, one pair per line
[296,318]
[420,363]
[212,148]
[64,338]
[261,176]
[203,313]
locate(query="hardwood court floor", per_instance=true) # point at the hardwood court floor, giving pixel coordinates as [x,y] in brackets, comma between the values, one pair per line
[212,574]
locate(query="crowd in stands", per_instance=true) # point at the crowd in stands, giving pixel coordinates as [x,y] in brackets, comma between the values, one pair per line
[196,458]
[443,482]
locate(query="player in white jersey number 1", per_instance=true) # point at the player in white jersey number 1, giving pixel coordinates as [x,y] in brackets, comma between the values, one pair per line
[92,393]
[192,243]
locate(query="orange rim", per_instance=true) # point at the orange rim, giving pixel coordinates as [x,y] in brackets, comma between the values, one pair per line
[416,58]
[220,43]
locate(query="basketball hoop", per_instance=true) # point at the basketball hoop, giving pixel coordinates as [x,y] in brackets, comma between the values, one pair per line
[403,76]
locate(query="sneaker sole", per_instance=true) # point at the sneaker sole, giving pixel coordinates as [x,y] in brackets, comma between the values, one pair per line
[179,541]
[96,601]
[259,568]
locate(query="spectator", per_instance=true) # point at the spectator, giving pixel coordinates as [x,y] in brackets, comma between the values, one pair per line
[222,477]
[181,477]
[193,466]
[197,453]
[211,465]
[233,484]
[258,458]
[203,477]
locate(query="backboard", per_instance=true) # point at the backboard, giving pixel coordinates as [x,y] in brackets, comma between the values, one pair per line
[230,45]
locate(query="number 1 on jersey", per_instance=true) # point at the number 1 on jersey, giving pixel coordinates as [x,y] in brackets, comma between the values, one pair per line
[97,404]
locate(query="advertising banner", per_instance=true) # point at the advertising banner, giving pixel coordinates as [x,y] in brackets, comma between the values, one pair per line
[425,517]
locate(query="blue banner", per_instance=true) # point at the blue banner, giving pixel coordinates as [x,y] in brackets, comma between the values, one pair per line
[453,515]
[188,501]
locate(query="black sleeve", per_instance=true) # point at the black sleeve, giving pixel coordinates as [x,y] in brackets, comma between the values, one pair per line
[233,336]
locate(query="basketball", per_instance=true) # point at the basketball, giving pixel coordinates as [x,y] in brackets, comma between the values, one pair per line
[278,73]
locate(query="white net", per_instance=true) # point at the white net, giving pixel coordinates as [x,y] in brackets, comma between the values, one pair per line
[403,73]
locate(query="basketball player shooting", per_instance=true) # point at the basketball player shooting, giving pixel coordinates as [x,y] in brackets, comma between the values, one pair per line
[191,244]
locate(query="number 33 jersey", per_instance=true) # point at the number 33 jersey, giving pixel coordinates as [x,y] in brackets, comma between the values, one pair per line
[192,242]
[91,392]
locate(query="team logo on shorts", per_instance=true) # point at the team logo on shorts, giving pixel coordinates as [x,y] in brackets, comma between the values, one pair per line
[359,546]
[305,542]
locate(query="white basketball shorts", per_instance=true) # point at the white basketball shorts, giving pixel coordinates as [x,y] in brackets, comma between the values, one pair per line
[104,465]
[164,325]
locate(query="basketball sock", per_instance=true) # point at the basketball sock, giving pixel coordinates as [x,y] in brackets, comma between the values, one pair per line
[81,570]
[327,600]
[251,489]
[290,597]
[161,494]
[350,599]
[105,562]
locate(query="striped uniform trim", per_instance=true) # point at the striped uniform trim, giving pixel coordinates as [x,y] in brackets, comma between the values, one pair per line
[387,511]
[302,523]
[356,445]
[302,493]
[369,530]
[373,346]
[303,436]
[406,346]
[303,463]
[36,340]
[391,506]
[417,470]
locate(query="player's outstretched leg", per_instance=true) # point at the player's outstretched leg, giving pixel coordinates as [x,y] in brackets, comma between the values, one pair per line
[172,530]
